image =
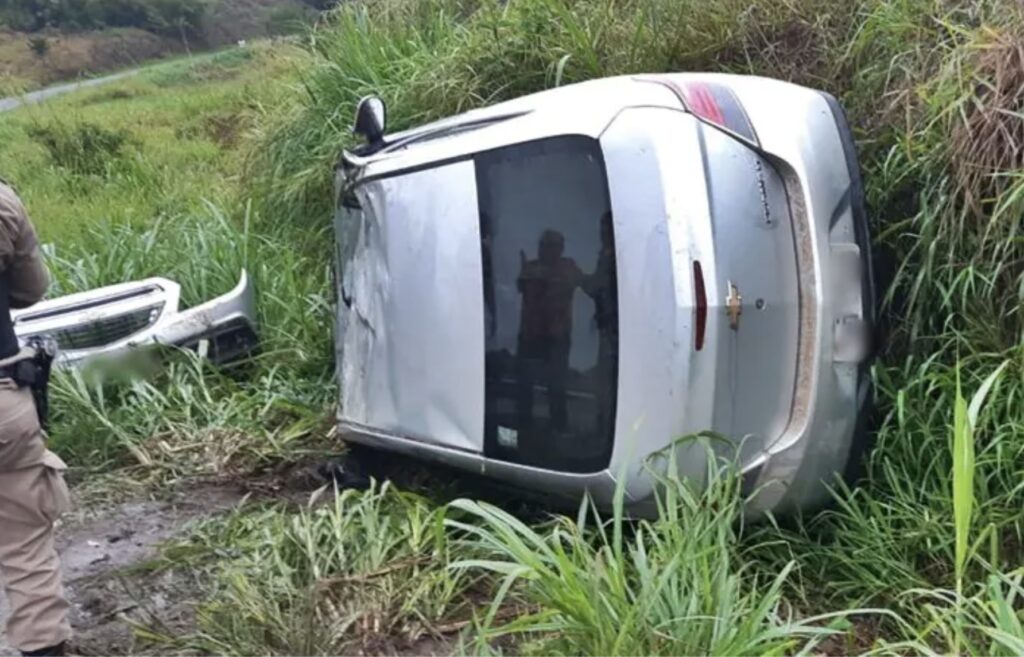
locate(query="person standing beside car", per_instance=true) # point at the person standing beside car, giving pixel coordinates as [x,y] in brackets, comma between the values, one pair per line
[33,493]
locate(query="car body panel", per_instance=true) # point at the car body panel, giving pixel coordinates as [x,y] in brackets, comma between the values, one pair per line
[414,351]
[754,253]
[798,133]
[584,109]
[658,197]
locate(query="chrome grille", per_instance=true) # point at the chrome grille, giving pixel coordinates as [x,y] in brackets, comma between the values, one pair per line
[106,330]
[106,300]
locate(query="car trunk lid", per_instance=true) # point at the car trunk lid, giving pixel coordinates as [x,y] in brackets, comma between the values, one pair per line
[757,302]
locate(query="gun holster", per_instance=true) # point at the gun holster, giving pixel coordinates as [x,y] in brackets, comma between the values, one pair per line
[34,373]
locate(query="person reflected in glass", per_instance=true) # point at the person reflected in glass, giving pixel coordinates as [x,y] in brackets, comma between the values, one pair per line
[547,285]
[487,261]
[602,287]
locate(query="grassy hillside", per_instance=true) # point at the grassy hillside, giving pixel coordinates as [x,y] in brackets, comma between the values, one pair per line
[42,42]
[70,55]
[209,167]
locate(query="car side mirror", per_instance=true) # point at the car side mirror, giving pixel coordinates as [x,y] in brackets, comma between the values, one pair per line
[371,120]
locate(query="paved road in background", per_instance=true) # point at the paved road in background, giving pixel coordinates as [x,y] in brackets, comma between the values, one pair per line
[14,102]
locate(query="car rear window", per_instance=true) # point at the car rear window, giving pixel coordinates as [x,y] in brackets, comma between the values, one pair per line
[550,304]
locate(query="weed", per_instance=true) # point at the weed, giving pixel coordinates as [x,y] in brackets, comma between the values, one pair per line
[354,574]
[673,586]
[84,149]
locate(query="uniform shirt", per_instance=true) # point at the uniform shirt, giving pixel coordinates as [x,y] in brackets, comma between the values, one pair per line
[547,290]
[21,263]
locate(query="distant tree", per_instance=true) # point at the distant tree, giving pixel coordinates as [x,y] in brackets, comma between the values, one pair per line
[39,45]
[321,5]
[289,19]
[27,15]
[179,18]
[35,15]
[117,13]
[176,18]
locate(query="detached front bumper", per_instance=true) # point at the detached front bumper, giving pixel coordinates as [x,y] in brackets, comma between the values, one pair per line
[109,321]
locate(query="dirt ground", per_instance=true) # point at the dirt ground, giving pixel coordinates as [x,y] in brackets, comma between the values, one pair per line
[104,556]
[109,551]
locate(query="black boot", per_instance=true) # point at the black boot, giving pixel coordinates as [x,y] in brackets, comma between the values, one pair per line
[54,651]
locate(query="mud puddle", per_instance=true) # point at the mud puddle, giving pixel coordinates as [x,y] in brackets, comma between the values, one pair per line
[104,557]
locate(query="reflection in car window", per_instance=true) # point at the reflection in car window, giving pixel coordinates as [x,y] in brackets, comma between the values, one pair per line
[550,304]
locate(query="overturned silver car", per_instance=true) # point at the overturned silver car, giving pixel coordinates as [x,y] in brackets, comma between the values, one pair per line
[551,290]
[110,321]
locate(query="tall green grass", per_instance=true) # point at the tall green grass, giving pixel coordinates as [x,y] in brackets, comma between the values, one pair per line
[189,409]
[181,126]
[357,572]
[677,585]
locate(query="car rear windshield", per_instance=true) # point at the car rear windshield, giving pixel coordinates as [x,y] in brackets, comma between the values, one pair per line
[550,304]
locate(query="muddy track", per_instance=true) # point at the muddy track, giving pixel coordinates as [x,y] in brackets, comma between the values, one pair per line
[104,556]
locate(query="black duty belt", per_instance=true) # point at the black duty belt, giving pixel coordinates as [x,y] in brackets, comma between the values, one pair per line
[34,373]
[17,372]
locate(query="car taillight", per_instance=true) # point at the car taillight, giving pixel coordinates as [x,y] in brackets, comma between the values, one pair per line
[718,105]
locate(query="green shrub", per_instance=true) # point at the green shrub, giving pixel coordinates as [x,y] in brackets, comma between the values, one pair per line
[39,45]
[84,149]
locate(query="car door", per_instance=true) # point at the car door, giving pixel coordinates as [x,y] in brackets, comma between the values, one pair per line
[410,313]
